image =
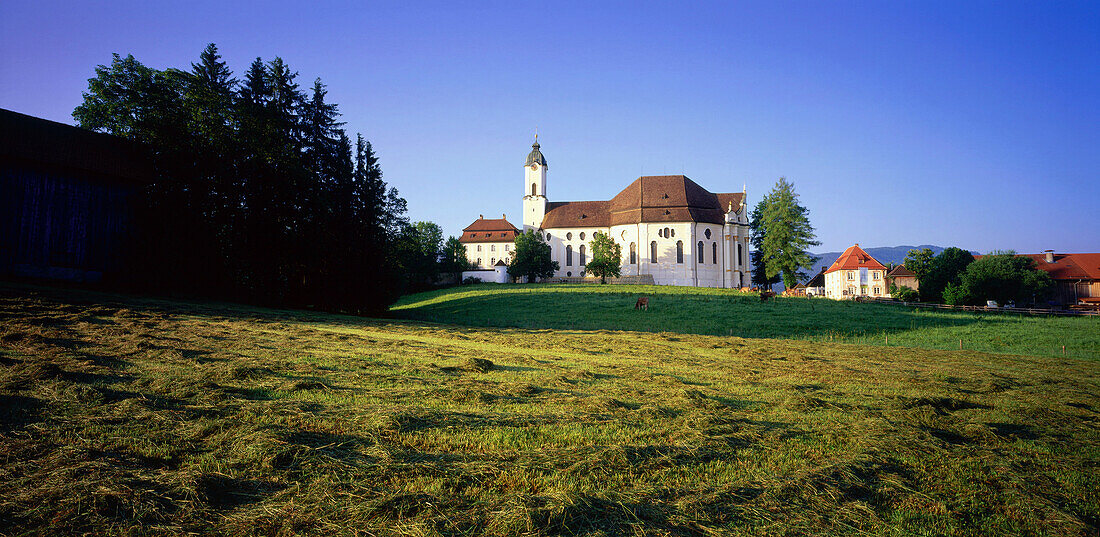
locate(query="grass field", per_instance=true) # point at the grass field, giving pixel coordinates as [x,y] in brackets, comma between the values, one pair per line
[722,312]
[125,416]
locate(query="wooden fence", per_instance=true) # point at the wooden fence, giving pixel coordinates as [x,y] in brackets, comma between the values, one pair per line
[987,309]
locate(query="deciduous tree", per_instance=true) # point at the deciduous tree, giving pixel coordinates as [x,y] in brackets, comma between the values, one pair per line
[607,257]
[531,258]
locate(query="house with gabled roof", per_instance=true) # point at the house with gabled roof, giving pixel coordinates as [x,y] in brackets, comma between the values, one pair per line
[856,274]
[1076,276]
[669,228]
[900,276]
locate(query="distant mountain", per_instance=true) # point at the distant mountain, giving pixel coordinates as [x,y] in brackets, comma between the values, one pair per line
[884,255]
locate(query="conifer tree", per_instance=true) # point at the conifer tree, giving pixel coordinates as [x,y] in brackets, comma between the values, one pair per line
[781,233]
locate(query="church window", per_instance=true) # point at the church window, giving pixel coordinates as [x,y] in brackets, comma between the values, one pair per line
[653,252]
[699,251]
[679,251]
[673,231]
[706,233]
[739,254]
[633,253]
[582,235]
[569,273]
[569,236]
[568,256]
[492,247]
[532,189]
[581,252]
[714,253]
[666,230]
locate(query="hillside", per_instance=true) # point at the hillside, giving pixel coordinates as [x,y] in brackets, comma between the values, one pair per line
[722,312]
[884,255]
[131,417]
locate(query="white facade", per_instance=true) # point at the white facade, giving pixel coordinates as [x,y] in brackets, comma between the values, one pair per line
[486,254]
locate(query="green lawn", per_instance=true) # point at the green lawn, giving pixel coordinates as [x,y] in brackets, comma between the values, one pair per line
[724,312]
[125,416]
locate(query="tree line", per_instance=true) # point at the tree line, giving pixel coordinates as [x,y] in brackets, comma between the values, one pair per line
[259,193]
[956,277]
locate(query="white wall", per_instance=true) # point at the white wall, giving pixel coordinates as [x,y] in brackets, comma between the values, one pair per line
[488,252]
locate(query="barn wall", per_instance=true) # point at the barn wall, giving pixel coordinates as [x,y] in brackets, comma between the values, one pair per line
[61,225]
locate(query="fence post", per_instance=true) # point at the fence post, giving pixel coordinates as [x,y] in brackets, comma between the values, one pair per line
[960,344]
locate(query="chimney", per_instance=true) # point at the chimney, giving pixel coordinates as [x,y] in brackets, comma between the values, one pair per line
[481,217]
[1049,255]
[504,216]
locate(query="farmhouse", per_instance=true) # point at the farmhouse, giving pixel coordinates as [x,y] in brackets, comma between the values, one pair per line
[1076,276]
[900,276]
[66,199]
[856,274]
[669,227]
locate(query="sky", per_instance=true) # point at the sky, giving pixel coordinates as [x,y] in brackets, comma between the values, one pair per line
[970,124]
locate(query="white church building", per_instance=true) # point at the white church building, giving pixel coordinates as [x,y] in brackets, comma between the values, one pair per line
[669,227]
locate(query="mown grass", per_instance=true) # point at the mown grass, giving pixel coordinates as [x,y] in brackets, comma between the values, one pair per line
[723,312]
[128,417]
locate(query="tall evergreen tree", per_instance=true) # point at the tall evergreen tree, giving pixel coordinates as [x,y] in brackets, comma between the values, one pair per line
[781,233]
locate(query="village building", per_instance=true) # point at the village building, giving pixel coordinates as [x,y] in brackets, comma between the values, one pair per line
[1076,276]
[900,276]
[816,285]
[489,240]
[856,274]
[671,229]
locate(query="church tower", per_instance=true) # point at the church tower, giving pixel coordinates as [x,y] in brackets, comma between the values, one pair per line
[534,188]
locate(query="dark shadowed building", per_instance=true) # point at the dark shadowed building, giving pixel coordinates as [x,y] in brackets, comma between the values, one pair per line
[66,199]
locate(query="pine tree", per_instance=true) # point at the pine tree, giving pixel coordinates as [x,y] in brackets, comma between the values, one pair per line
[782,233]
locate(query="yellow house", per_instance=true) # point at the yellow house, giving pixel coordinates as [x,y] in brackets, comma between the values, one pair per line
[856,274]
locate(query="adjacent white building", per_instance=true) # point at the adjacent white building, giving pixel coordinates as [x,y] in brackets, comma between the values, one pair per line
[668,226]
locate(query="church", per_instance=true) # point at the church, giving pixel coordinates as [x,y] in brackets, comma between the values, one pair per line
[669,227]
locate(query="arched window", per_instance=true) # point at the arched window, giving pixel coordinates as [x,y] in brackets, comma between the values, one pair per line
[633,253]
[582,235]
[699,252]
[653,252]
[569,236]
[581,252]
[706,233]
[679,251]
[714,253]
[533,189]
[666,230]
[739,254]
[568,256]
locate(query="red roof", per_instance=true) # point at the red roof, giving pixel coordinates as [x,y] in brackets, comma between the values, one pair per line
[489,230]
[855,258]
[1068,266]
[901,272]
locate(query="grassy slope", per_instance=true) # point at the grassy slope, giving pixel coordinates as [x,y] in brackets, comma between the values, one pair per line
[123,416]
[724,312]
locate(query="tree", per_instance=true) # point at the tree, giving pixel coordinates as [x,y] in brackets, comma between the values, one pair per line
[919,261]
[781,233]
[531,258]
[947,268]
[1001,276]
[454,257]
[904,293]
[607,257]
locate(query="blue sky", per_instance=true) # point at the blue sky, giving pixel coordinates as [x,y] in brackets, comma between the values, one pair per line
[956,123]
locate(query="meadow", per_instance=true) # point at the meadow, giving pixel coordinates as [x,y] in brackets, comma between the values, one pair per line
[723,312]
[130,416]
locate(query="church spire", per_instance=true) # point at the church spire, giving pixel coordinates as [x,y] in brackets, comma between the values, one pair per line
[535,156]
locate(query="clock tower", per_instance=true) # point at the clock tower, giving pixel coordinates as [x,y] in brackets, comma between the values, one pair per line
[534,188]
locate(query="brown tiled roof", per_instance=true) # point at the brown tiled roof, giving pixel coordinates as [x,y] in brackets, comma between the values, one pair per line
[1067,266]
[489,230]
[901,272]
[657,198]
[855,258]
[561,214]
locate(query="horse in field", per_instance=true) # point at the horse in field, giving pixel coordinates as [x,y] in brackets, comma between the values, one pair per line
[765,295]
[642,303]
